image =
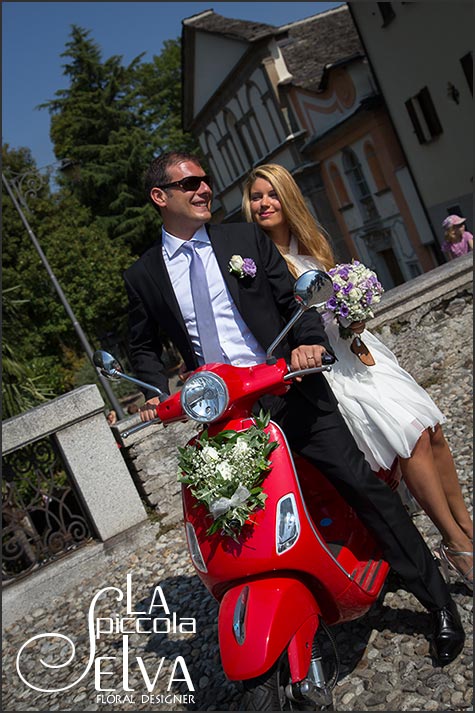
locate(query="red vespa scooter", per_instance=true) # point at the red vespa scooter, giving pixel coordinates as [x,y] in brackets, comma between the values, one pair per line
[300,564]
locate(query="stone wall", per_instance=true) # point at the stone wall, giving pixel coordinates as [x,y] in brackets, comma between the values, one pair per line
[151,455]
[426,322]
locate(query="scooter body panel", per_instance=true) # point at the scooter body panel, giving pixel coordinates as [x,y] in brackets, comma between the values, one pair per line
[274,613]
[329,567]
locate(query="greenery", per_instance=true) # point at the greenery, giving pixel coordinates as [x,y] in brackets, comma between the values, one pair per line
[21,387]
[225,473]
[110,120]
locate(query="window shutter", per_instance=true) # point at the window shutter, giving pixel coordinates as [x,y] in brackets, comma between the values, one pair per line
[428,109]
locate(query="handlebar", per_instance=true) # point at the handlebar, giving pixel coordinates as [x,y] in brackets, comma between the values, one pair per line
[307,372]
[327,361]
[174,411]
[133,430]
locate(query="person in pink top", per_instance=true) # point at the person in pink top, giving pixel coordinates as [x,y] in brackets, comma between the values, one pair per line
[458,241]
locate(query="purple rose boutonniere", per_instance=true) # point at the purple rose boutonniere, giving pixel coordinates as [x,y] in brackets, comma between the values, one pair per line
[242,267]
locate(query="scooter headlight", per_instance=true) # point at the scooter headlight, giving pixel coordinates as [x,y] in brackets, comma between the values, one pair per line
[204,397]
[287,524]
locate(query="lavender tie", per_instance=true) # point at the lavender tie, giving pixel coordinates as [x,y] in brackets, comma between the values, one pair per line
[205,322]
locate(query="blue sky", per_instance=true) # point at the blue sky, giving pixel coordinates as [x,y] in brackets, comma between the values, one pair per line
[34,35]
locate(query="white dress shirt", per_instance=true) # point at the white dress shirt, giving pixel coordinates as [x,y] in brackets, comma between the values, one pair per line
[239,346]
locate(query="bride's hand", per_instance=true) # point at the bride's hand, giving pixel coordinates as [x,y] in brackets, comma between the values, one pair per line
[357,327]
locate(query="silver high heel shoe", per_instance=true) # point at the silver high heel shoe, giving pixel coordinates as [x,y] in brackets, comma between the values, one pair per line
[447,565]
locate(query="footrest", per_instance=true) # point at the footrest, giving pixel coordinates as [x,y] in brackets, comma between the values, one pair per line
[367,573]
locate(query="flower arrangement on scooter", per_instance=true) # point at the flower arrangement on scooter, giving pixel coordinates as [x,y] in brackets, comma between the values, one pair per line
[225,473]
[356,290]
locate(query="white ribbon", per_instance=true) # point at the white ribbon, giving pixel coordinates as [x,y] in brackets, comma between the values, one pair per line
[222,505]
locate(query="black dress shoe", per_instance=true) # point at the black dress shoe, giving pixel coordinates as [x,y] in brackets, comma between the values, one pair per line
[449,636]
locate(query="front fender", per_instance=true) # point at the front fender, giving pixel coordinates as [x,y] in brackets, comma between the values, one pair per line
[258,620]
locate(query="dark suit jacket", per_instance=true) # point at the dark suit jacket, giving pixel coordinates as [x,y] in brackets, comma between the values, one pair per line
[265,302]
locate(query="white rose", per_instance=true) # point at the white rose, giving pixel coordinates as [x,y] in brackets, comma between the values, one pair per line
[240,447]
[236,263]
[355,294]
[225,471]
[209,454]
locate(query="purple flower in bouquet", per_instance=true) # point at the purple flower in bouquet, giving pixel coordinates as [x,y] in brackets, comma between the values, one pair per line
[356,290]
[343,273]
[344,310]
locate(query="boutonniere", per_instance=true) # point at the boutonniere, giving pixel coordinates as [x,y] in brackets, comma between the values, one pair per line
[242,266]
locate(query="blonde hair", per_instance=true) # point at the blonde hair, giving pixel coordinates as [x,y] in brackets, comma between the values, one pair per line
[303,226]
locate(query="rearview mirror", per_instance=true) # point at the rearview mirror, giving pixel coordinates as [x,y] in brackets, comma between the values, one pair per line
[313,289]
[109,366]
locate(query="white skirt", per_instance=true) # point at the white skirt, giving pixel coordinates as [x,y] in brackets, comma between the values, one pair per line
[384,407]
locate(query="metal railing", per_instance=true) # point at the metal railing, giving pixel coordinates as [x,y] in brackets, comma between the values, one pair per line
[42,515]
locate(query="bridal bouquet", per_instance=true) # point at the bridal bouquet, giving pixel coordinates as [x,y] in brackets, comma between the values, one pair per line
[356,291]
[225,473]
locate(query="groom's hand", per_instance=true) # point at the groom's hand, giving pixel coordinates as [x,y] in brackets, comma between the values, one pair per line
[306,357]
[149,410]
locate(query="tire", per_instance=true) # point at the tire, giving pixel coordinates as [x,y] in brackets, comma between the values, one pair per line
[267,692]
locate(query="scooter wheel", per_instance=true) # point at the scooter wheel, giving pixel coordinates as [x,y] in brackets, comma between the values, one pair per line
[267,692]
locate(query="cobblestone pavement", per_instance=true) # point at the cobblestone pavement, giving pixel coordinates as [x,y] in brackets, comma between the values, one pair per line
[385,664]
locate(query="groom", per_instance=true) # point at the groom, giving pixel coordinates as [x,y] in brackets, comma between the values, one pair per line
[183,286]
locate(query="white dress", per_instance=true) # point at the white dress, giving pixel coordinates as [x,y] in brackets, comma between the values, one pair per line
[384,407]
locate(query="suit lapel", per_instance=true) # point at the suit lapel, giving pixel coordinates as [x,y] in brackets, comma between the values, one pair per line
[159,273]
[221,249]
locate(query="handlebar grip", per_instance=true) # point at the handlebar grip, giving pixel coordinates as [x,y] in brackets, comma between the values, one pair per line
[328,358]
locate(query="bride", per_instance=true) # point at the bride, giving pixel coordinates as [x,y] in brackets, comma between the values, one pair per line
[388,413]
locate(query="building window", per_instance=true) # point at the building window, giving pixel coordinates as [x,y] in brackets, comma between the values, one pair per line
[212,158]
[375,167]
[235,144]
[359,186]
[423,116]
[339,186]
[467,65]
[387,12]
[392,265]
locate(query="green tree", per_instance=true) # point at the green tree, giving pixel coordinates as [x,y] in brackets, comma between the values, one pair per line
[160,92]
[21,387]
[87,265]
[94,123]
[112,119]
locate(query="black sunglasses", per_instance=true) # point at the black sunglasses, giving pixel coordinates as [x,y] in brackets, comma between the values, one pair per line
[190,183]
